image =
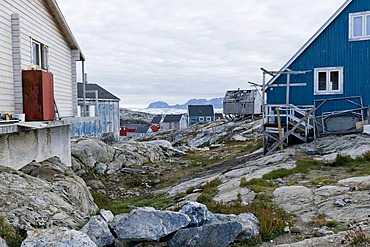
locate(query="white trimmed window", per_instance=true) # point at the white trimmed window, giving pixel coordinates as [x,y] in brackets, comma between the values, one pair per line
[328,80]
[359,26]
[40,55]
[201,119]
[208,119]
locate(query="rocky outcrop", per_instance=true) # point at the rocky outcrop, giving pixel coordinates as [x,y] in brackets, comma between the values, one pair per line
[57,237]
[328,147]
[50,196]
[206,134]
[336,202]
[106,159]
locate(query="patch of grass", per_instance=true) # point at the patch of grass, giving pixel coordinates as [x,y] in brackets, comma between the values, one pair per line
[324,181]
[279,173]
[123,206]
[258,184]
[251,147]
[9,234]
[357,237]
[332,223]
[209,190]
[342,160]
[272,218]
[319,220]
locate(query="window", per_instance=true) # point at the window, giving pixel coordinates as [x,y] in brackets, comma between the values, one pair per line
[359,26]
[209,119]
[40,55]
[201,119]
[329,80]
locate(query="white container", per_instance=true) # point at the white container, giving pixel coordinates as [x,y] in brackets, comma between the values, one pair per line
[367,128]
[21,117]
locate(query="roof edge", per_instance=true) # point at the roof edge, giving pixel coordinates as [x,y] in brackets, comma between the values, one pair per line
[311,40]
[59,17]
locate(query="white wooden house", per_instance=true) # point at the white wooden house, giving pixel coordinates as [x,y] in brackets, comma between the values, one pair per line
[36,33]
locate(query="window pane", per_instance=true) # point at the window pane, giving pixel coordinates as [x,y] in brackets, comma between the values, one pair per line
[45,57]
[334,80]
[36,54]
[357,26]
[322,81]
[368,25]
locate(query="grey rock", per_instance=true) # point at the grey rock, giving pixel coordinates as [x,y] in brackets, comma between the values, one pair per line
[95,184]
[57,237]
[107,215]
[31,202]
[197,213]
[295,230]
[221,234]
[339,202]
[100,168]
[3,243]
[98,231]
[92,151]
[248,221]
[148,224]
[249,224]
[324,231]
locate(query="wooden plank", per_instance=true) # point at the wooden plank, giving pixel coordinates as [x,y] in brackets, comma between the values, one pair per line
[279,127]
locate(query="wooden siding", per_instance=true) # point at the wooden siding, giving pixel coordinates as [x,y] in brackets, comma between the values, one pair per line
[35,23]
[331,48]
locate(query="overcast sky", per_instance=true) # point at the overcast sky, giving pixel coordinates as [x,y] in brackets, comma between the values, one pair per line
[174,50]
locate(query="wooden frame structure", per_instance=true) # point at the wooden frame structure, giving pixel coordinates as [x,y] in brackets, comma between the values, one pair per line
[283,122]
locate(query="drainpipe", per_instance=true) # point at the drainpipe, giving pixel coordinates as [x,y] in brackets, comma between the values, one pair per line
[83,89]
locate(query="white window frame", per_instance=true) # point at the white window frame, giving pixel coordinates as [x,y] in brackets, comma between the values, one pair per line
[328,89]
[364,36]
[208,119]
[201,119]
[43,55]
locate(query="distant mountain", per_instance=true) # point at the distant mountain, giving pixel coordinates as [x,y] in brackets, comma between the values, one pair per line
[159,104]
[216,102]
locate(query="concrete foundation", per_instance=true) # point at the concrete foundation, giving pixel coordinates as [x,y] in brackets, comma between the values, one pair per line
[22,147]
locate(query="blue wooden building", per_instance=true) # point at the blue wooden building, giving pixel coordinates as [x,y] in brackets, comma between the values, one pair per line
[336,65]
[200,113]
[325,86]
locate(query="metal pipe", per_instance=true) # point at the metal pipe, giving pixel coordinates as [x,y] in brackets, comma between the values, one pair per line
[83,90]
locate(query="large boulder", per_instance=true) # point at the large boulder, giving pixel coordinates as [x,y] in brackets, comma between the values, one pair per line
[196,211]
[98,231]
[92,151]
[248,221]
[32,202]
[219,235]
[148,224]
[57,237]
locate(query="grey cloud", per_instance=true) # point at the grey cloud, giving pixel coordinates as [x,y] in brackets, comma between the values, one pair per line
[173,50]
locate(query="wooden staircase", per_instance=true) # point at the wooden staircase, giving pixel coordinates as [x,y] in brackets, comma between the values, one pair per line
[283,123]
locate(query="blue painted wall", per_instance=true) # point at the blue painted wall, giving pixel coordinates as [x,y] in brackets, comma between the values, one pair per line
[107,121]
[331,49]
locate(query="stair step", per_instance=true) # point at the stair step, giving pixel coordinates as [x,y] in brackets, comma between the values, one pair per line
[299,136]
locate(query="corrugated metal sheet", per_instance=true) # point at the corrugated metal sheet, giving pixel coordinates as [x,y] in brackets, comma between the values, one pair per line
[331,49]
